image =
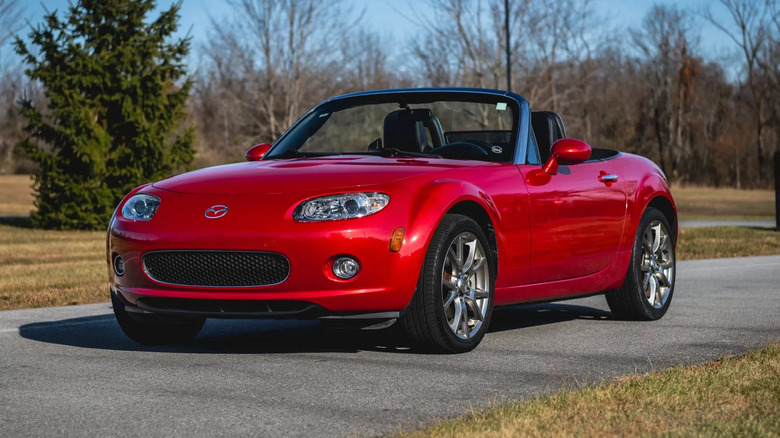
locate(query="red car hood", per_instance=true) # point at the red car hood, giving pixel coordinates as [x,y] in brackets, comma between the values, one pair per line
[304,174]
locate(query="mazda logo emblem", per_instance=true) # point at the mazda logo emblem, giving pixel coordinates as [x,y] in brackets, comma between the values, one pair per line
[216,211]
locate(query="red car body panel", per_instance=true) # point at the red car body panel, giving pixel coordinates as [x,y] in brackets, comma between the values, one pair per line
[543,238]
[556,236]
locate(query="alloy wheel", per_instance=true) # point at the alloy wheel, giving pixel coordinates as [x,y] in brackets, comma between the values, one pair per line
[657,266]
[465,283]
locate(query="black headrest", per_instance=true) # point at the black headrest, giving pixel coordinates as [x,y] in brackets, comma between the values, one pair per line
[403,130]
[420,114]
[548,127]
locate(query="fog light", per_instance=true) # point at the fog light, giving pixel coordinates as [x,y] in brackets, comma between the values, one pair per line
[346,268]
[119,265]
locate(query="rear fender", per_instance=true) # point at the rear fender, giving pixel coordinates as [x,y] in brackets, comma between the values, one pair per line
[651,187]
[645,182]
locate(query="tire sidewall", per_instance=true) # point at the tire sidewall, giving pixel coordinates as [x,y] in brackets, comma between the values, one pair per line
[634,271]
[432,272]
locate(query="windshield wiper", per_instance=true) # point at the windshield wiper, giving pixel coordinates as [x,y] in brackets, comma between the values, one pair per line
[394,152]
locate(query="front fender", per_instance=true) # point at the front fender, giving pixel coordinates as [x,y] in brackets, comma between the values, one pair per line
[429,205]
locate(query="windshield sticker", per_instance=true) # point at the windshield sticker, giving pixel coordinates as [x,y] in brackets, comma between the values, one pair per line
[501,106]
[497,149]
[324,115]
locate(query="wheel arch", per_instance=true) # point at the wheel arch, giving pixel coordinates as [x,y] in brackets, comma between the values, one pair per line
[477,213]
[652,190]
[435,199]
[666,208]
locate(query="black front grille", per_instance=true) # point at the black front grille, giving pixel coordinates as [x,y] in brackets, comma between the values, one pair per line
[217,268]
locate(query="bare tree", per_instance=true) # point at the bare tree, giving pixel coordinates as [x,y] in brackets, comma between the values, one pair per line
[564,37]
[769,64]
[365,64]
[750,30]
[664,42]
[463,44]
[283,44]
[269,61]
[11,15]
[274,58]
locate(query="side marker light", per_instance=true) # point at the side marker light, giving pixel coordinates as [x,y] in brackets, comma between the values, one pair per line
[397,239]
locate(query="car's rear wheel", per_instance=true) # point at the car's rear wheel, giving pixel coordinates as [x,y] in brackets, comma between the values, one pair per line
[647,290]
[450,311]
[148,329]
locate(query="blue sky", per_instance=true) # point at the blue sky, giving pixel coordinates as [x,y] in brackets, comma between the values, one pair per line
[390,17]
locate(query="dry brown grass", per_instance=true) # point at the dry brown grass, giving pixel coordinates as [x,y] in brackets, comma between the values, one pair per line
[710,203]
[719,242]
[730,397]
[51,268]
[41,268]
[16,194]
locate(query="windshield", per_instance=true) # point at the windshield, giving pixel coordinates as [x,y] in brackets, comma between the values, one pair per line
[459,129]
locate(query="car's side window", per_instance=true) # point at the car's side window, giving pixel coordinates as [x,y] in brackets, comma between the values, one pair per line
[533,149]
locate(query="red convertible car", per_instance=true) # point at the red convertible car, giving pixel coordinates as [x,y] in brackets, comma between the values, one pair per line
[423,208]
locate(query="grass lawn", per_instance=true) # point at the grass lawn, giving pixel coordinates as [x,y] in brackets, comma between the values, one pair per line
[41,268]
[16,195]
[709,203]
[733,396]
[736,396]
[720,242]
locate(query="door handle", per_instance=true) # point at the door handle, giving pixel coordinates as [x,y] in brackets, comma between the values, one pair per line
[608,177]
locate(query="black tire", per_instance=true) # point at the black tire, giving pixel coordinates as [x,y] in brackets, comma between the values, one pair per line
[633,300]
[148,329]
[426,319]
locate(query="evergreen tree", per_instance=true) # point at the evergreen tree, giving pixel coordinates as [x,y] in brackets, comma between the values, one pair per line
[115,105]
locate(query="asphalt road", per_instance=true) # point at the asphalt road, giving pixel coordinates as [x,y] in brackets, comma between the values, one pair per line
[70,371]
[696,223]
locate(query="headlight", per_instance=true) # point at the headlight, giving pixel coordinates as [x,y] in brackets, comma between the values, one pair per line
[140,207]
[344,206]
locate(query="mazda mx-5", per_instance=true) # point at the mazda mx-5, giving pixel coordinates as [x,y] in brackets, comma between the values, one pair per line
[418,208]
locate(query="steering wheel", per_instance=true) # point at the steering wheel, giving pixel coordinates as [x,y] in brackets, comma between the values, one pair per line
[464,150]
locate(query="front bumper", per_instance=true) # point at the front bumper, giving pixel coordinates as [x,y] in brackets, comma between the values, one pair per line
[206,308]
[384,285]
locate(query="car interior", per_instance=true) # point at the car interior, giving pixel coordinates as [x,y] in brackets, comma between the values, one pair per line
[548,128]
[419,130]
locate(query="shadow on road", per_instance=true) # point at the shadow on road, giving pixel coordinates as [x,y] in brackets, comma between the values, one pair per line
[289,336]
[531,315]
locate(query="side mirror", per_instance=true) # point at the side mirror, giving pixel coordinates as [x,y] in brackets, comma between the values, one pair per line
[566,151]
[256,152]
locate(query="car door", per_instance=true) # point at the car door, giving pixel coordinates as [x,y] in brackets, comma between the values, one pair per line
[577,218]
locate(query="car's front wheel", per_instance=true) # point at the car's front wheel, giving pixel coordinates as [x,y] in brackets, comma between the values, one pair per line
[451,309]
[647,290]
[147,329]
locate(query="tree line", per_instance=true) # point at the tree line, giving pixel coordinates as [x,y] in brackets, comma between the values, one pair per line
[650,90]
